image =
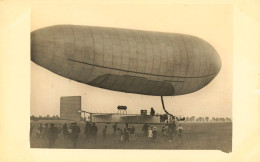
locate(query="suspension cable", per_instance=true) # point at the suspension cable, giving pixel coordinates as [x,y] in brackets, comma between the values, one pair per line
[165,109]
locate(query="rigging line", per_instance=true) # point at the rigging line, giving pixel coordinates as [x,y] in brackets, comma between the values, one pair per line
[164,107]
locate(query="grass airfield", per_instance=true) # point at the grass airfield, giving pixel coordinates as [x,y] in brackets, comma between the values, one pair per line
[196,136]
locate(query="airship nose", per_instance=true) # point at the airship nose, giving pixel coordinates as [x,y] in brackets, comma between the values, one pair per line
[35,47]
[43,44]
[41,47]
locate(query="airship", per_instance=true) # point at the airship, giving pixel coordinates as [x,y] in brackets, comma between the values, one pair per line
[126,60]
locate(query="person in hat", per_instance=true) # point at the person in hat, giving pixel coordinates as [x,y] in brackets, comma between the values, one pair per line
[145,129]
[174,127]
[65,130]
[87,131]
[154,132]
[75,130]
[132,133]
[121,133]
[172,130]
[164,132]
[94,131]
[152,112]
[45,130]
[40,131]
[150,133]
[69,132]
[180,133]
[104,131]
[126,134]
[60,129]
[114,129]
[52,135]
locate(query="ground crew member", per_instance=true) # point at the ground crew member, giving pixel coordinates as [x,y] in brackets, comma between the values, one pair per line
[121,133]
[65,131]
[104,131]
[94,131]
[45,130]
[152,112]
[127,134]
[174,128]
[163,131]
[87,131]
[40,130]
[114,129]
[145,129]
[180,133]
[154,132]
[75,130]
[132,133]
[52,134]
[150,133]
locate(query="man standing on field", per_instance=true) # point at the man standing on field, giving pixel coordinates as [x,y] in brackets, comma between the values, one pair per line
[104,131]
[179,133]
[114,129]
[87,131]
[75,130]
[52,134]
[94,131]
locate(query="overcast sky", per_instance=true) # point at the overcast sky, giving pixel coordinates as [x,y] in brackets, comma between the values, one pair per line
[212,23]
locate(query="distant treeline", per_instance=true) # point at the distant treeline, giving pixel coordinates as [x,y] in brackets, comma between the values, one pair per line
[191,119]
[207,119]
[47,117]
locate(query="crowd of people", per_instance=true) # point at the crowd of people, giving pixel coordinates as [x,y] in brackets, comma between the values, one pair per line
[51,133]
[168,132]
[90,131]
[126,134]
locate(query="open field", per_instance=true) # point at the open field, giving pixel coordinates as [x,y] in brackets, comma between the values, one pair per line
[196,136]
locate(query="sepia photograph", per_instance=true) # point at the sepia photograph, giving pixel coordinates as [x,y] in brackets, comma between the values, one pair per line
[122,78]
[125,80]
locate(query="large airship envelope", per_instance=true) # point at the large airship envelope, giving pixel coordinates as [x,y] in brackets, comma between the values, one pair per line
[131,61]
